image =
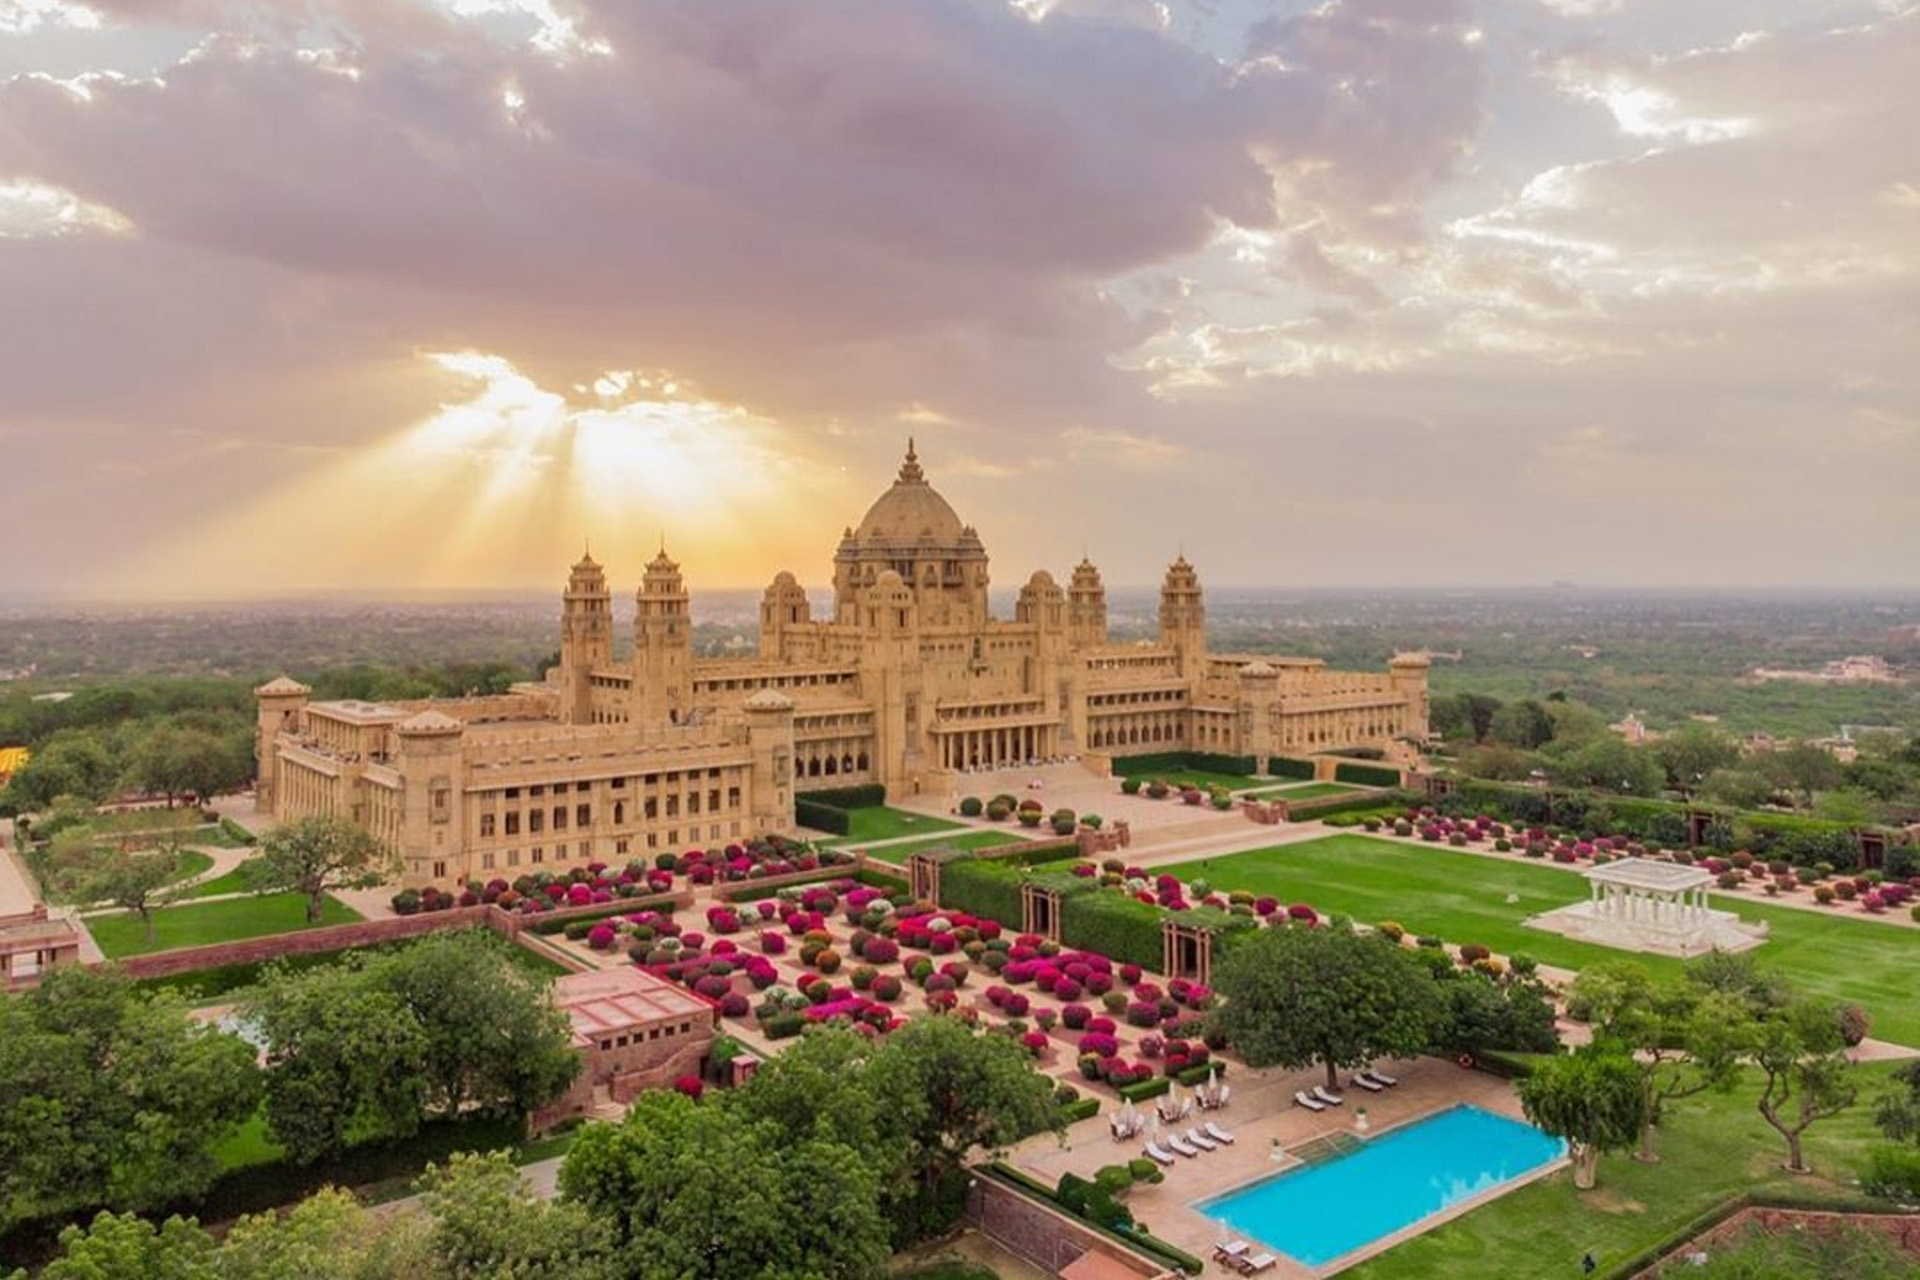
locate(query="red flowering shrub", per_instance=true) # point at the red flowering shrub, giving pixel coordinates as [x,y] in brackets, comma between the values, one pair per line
[691,1086]
[601,937]
[1074,1017]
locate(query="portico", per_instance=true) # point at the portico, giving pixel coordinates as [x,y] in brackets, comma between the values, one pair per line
[1640,904]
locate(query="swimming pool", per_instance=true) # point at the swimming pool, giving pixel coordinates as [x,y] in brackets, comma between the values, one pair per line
[1326,1211]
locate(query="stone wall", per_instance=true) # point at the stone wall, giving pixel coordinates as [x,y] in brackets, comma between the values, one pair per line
[1901,1229]
[363,933]
[1043,1235]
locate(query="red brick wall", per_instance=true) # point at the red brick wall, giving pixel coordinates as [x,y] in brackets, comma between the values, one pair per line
[1902,1229]
[1041,1234]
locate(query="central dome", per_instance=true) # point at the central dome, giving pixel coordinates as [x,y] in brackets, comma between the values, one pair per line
[910,512]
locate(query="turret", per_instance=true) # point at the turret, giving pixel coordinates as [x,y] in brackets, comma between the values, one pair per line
[782,609]
[1183,618]
[769,715]
[1086,607]
[278,706]
[662,645]
[586,638]
[1409,674]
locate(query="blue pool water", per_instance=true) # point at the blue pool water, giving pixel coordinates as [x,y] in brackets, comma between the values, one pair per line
[1325,1211]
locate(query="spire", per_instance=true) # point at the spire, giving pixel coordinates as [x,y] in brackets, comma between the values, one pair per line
[910,472]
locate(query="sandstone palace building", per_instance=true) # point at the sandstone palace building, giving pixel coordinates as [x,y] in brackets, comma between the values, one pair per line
[907,680]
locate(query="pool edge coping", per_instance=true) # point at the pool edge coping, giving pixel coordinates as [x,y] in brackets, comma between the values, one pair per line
[1418,1227]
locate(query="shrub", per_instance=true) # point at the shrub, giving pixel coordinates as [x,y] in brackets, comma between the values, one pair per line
[692,1086]
[827,961]
[971,807]
[1854,1024]
[1892,1173]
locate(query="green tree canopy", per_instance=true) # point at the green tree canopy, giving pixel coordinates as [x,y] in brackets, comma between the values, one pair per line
[1692,752]
[1808,1078]
[1296,996]
[1524,725]
[318,854]
[1592,1098]
[114,1097]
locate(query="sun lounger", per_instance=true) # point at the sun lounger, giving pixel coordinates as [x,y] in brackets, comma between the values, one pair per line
[1230,1251]
[1200,1140]
[1157,1155]
[1380,1077]
[1371,1086]
[1218,1134]
[1257,1263]
[1182,1146]
[1327,1096]
[1304,1099]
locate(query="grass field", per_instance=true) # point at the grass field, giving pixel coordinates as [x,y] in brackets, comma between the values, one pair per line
[234,881]
[1712,1147]
[1307,791]
[896,854]
[883,823]
[1200,778]
[122,934]
[1462,897]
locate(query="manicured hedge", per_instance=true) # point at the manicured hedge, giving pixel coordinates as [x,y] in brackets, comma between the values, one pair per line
[1080,1109]
[1372,802]
[1141,1090]
[821,817]
[547,926]
[869,796]
[875,879]
[1033,853]
[987,887]
[1366,775]
[1125,930]
[1286,767]
[1175,761]
[1199,1073]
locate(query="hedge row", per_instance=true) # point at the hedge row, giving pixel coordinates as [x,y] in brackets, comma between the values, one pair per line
[552,923]
[1141,1090]
[1366,775]
[868,796]
[988,887]
[1123,929]
[1286,767]
[1313,810]
[1080,1109]
[1174,761]
[1803,841]
[1033,853]
[821,817]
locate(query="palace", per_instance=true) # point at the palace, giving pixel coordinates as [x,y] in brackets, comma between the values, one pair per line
[908,682]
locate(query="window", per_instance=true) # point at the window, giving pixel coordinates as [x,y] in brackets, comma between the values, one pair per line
[536,821]
[673,806]
[513,824]
[583,786]
[693,802]
[620,845]
[486,862]
[539,854]
[559,817]
[619,784]
[536,791]
[713,799]
[583,815]
[513,857]
[486,826]
[513,793]
[733,797]
[653,808]
[439,869]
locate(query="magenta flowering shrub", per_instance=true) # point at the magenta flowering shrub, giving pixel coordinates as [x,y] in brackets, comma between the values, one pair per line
[1100,1044]
[1035,1042]
[886,987]
[601,937]
[1103,1026]
[1301,913]
[772,943]
[1152,1046]
[723,920]
[1075,1017]
[713,988]
[692,1086]
[733,1005]
[1142,1014]
[880,950]
[1130,974]
[1065,988]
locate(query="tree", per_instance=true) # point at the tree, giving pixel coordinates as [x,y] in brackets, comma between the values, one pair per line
[346,1061]
[1898,1110]
[1497,763]
[1849,805]
[492,1038]
[944,1090]
[1802,768]
[114,1097]
[1295,996]
[139,882]
[125,1246]
[1512,1013]
[184,756]
[1692,752]
[1463,717]
[1592,1098]
[1524,725]
[694,1191]
[1611,764]
[1741,788]
[318,854]
[1682,1039]
[72,763]
[487,1227]
[1800,1051]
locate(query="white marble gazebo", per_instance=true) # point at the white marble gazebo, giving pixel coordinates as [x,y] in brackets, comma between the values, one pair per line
[1641,905]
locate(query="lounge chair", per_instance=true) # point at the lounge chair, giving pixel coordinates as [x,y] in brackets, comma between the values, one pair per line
[1157,1154]
[1230,1251]
[1302,1098]
[1371,1086]
[1257,1263]
[1218,1134]
[1182,1146]
[1328,1096]
[1200,1140]
[1380,1077]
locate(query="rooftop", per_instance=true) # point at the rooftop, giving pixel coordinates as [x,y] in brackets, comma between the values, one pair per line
[609,1000]
[1642,873]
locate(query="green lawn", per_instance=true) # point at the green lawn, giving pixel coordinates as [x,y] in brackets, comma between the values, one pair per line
[1462,897]
[1712,1148]
[237,880]
[121,933]
[249,1145]
[896,854]
[1307,791]
[883,823]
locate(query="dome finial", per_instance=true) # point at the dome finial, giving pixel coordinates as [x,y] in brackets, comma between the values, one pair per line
[910,472]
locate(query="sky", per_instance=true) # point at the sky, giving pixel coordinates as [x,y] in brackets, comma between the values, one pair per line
[428,294]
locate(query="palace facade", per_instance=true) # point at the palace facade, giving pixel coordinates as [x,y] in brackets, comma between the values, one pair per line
[907,681]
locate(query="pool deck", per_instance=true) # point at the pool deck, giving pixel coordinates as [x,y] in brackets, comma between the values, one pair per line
[1266,1124]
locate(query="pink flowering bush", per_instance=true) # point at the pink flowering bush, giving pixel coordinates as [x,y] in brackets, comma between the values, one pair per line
[692,1086]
